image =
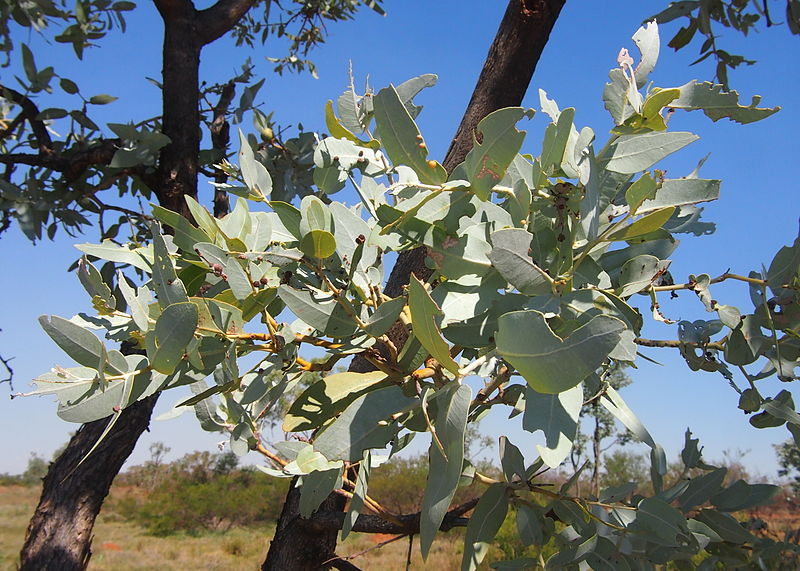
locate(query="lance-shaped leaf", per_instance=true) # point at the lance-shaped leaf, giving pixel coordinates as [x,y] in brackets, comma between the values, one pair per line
[328,397]
[138,300]
[289,218]
[483,525]
[335,126]
[80,344]
[649,44]
[645,225]
[174,330]
[93,283]
[718,104]
[186,235]
[741,496]
[659,522]
[499,143]
[700,489]
[635,153]
[445,472]
[141,258]
[645,187]
[556,137]
[96,404]
[529,525]
[363,425]
[557,416]
[681,192]
[423,316]
[549,363]
[203,217]
[254,173]
[385,316]
[510,256]
[511,459]
[613,402]
[401,137]
[169,289]
[726,526]
[237,278]
[785,266]
[359,493]
[319,310]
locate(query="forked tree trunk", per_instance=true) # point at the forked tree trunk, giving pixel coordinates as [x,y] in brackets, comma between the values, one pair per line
[505,77]
[59,534]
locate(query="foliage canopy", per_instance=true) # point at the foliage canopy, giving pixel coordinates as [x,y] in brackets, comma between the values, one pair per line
[557,246]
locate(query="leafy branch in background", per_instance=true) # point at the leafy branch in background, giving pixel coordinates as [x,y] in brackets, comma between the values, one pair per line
[538,263]
[52,181]
[740,15]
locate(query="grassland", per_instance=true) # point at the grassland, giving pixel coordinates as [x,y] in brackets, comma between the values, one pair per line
[122,546]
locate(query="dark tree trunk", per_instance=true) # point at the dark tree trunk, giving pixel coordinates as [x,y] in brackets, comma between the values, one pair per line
[59,534]
[298,545]
[508,69]
[181,113]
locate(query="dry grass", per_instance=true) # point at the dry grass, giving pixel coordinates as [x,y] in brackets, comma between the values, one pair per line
[122,546]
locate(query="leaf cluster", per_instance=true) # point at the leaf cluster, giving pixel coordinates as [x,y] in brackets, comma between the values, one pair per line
[537,264]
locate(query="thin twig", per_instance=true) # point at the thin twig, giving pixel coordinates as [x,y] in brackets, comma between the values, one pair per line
[365,551]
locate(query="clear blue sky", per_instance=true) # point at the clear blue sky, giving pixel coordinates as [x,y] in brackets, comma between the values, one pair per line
[758,211]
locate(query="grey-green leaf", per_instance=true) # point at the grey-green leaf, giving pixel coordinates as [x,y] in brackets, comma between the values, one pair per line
[444,474]
[80,344]
[254,173]
[483,525]
[174,329]
[548,363]
[499,144]
[635,153]
[363,425]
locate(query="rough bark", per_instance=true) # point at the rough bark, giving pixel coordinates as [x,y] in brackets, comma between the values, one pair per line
[298,544]
[177,166]
[508,69]
[59,534]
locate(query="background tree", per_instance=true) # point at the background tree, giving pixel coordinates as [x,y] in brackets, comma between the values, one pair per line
[602,426]
[789,459]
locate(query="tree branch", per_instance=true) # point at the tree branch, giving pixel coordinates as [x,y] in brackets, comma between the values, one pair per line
[171,8]
[217,20]
[30,111]
[328,521]
[220,139]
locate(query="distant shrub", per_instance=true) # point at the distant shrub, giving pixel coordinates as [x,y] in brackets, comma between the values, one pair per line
[199,492]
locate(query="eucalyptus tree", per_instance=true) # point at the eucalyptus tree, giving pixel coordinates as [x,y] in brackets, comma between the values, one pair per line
[560,246]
